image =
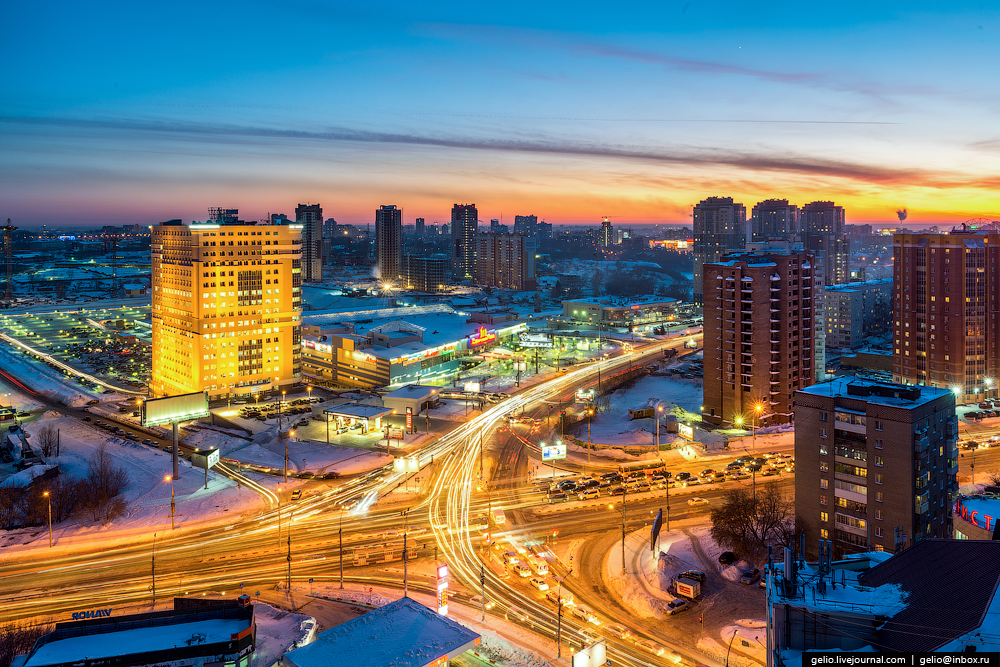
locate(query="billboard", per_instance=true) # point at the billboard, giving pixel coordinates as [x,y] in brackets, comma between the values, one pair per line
[170,409]
[482,337]
[200,459]
[406,464]
[472,387]
[654,532]
[685,431]
[442,589]
[395,433]
[553,452]
[594,655]
[535,339]
[409,419]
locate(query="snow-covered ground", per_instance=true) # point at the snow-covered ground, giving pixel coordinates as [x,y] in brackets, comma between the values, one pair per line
[278,631]
[10,397]
[148,493]
[42,379]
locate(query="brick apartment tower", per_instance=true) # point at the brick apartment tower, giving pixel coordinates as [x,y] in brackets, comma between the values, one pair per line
[310,216]
[758,336]
[946,327]
[226,307]
[389,243]
[875,464]
[774,219]
[506,261]
[464,223]
[719,228]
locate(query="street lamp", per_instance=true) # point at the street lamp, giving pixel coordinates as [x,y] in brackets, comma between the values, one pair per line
[622,510]
[173,506]
[279,515]
[281,410]
[590,418]
[957,390]
[310,390]
[757,410]
[49,498]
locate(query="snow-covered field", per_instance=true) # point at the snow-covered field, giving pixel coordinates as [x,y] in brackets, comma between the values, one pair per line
[10,397]
[42,379]
[148,493]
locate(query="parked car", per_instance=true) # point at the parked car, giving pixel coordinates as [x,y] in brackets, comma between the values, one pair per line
[697,575]
[750,577]
[677,605]
[727,558]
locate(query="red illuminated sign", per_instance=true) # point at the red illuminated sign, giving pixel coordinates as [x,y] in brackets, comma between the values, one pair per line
[482,337]
[409,419]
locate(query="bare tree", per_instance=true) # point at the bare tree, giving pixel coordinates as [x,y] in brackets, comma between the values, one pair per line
[46,440]
[994,477]
[17,639]
[99,492]
[749,523]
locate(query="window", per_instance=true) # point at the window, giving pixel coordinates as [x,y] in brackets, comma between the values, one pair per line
[824,533]
[879,547]
[879,461]
[824,466]
[824,500]
[878,514]
[878,425]
[879,496]
[822,448]
[822,416]
[878,444]
[878,531]
[823,516]
[824,483]
[879,478]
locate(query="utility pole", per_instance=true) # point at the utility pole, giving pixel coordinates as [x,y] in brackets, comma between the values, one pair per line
[405,558]
[340,535]
[154,571]
[288,580]
[482,591]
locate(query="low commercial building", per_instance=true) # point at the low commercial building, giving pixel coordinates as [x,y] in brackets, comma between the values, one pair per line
[195,633]
[854,311]
[609,312]
[394,346]
[976,517]
[416,397]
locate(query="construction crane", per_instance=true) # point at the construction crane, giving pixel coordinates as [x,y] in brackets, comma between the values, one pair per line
[8,248]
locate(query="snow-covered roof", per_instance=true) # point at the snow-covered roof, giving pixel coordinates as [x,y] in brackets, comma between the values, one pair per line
[412,391]
[879,393]
[403,633]
[358,411]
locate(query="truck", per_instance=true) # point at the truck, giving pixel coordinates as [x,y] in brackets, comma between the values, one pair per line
[498,517]
[688,588]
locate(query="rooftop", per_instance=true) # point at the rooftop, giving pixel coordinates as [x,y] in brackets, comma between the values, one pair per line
[357,411]
[625,303]
[881,393]
[851,287]
[403,633]
[412,391]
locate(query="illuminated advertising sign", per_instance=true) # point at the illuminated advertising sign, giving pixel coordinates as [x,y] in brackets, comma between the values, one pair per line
[472,387]
[395,433]
[594,655]
[406,464]
[482,337]
[319,347]
[976,517]
[170,409]
[685,431]
[442,589]
[539,340]
[409,419]
[553,452]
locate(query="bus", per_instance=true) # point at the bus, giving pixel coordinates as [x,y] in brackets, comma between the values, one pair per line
[498,517]
[651,467]
[385,553]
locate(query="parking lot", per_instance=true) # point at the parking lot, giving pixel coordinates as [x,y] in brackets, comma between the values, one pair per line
[105,343]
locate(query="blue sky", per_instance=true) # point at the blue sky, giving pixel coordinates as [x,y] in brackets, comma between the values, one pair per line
[120,112]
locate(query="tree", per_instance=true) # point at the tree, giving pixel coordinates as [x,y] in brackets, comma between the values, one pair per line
[99,491]
[994,477]
[749,523]
[18,639]
[46,439]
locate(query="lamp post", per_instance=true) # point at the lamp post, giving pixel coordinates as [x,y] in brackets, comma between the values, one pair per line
[622,511]
[758,409]
[49,498]
[590,418]
[173,506]
[340,537]
[957,390]
[279,515]
[310,390]
[281,409]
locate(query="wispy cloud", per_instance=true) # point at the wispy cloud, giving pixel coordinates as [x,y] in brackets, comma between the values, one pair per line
[783,162]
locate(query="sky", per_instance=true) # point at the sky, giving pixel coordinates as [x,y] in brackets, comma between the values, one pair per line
[125,112]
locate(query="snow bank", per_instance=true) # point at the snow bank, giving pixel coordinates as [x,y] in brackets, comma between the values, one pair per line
[279,631]
[497,649]
[42,379]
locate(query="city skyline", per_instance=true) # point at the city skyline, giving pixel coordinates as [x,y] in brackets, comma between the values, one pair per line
[113,117]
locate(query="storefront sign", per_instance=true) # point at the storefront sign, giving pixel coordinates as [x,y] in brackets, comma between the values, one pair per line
[409,419]
[539,340]
[482,337]
[685,431]
[92,613]
[975,517]
[442,589]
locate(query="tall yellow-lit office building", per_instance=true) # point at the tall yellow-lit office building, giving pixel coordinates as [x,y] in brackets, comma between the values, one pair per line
[227,307]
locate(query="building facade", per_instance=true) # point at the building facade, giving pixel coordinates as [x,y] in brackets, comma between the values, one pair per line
[875,464]
[610,313]
[774,219]
[506,261]
[824,234]
[719,228]
[226,307]
[526,224]
[754,363]
[310,217]
[854,311]
[464,223]
[389,243]
[426,274]
[946,327]
[419,227]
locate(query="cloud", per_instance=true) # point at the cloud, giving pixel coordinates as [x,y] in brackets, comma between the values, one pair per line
[789,163]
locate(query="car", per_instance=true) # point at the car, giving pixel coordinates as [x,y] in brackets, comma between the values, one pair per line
[691,481]
[539,583]
[697,501]
[477,601]
[586,614]
[522,570]
[681,476]
[619,631]
[706,472]
[517,615]
[589,636]
[618,491]
[753,467]
[750,577]
[735,465]
[149,442]
[93,402]
[659,481]
[86,419]
[697,575]
[296,494]
[762,583]
[557,496]
[567,485]
[604,487]
[555,596]
[608,475]
[588,484]
[769,471]
[651,647]
[589,494]
[677,605]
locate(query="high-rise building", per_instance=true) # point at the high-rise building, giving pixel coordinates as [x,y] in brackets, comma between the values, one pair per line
[389,243]
[504,260]
[719,228]
[464,223]
[526,224]
[223,216]
[543,231]
[226,307]
[310,216]
[758,336]
[607,238]
[875,464]
[823,230]
[329,228]
[855,311]
[278,219]
[420,227]
[946,332]
[774,219]
[426,274]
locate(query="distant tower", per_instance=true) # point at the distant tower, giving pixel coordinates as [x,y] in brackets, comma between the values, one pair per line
[8,247]
[310,216]
[421,227]
[464,223]
[388,242]
[719,227]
